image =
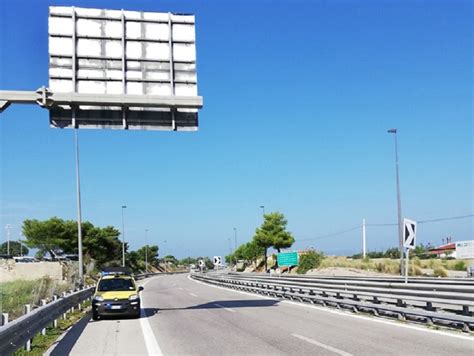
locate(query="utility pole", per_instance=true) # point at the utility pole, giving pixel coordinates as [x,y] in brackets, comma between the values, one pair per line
[363,239]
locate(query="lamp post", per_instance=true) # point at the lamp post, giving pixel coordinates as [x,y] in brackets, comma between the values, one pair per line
[78,205]
[146,251]
[399,204]
[235,237]
[123,236]
[263,209]
[8,227]
[164,258]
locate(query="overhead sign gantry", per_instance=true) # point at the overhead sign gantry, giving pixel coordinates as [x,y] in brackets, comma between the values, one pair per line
[118,69]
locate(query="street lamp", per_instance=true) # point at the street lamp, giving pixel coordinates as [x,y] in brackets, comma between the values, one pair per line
[235,237]
[164,258]
[263,209]
[78,206]
[123,237]
[230,250]
[146,252]
[8,227]
[399,204]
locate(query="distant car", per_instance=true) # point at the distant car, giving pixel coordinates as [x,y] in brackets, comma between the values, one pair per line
[116,294]
[470,271]
[25,259]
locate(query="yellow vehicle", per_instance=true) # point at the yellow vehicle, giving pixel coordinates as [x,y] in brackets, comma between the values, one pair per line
[116,294]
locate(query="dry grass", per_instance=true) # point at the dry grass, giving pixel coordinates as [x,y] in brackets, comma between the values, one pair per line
[382,265]
[14,295]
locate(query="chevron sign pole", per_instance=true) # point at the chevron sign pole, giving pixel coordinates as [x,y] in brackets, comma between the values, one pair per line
[409,241]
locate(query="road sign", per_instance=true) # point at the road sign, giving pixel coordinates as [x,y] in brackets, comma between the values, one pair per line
[122,70]
[217,260]
[409,233]
[202,263]
[287,259]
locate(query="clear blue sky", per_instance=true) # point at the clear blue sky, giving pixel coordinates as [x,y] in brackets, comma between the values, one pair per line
[298,99]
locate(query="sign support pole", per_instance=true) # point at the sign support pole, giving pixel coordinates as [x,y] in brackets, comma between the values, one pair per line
[407,255]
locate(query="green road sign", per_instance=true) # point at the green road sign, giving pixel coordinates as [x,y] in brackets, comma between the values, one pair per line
[287,259]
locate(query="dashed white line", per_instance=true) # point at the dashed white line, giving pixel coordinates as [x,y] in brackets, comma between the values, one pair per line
[194,295]
[320,344]
[223,307]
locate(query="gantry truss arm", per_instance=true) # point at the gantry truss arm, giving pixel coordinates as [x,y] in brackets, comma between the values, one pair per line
[47,99]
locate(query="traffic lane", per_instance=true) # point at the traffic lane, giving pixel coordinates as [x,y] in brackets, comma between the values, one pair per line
[359,335]
[110,336]
[316,327]
[185,323]
[196,331]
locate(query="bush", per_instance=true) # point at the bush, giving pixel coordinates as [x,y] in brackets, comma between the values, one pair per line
[416,270]
[440,272]
[310,260]
[460,266]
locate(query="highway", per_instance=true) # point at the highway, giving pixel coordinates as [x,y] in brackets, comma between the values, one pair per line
[182,316]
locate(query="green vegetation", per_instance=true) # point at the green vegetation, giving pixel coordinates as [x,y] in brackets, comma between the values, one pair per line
[311,259]
[14,295]
[56,236]
[41,343]
[460,266]
[100,245]
[272,233]
[16,249]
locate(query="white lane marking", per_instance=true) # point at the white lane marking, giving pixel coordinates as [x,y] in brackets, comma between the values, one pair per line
[150,341]
[320,344]
[194,295]
[180,288]
[223,307]
[347,314]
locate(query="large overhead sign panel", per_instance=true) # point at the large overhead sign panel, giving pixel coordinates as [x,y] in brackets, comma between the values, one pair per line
[119,65]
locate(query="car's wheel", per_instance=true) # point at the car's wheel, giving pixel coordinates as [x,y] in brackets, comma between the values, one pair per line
[95,315]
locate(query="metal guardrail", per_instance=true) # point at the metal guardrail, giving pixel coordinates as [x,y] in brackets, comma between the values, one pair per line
[18,332]
[452,306]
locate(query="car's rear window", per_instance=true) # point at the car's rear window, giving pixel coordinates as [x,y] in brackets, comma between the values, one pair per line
[115,284]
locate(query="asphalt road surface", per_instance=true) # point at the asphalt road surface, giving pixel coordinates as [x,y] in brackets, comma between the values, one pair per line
[182,316]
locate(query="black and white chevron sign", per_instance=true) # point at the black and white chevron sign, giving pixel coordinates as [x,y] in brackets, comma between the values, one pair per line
[409,233]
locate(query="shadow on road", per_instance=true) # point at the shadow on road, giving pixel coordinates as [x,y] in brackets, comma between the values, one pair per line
[65,345]
[257,303]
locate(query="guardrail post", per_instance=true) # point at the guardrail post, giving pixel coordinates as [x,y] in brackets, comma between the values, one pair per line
[43,303]
[465,310]
[64,315]
[4,319]
[55,321]
[26,310]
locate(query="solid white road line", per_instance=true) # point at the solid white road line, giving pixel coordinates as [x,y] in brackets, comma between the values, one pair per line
[320,344]
[223,307]
[346,314]
[150,341]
